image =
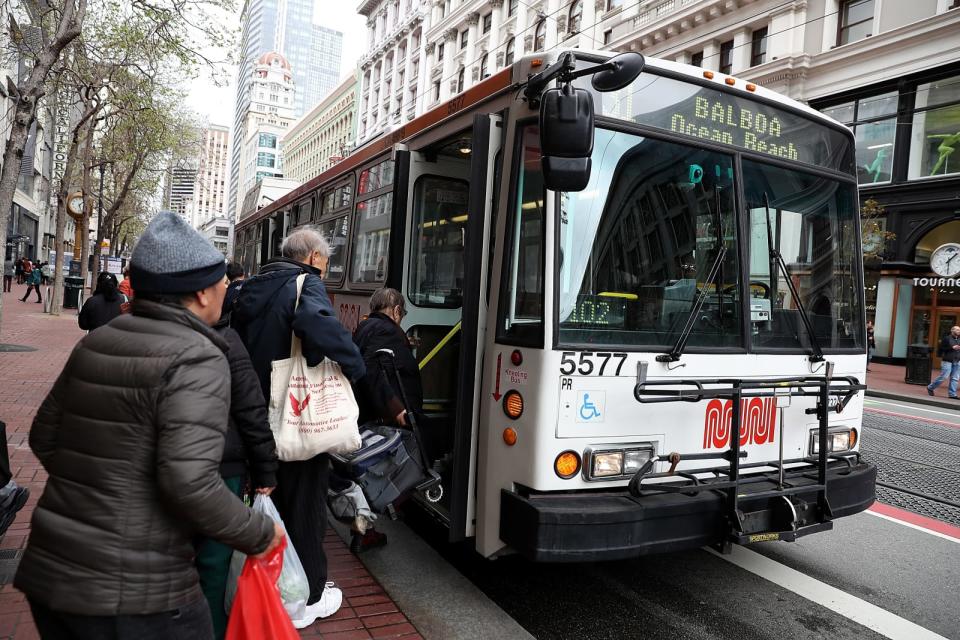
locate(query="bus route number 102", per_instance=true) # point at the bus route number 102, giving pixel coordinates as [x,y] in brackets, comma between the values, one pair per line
[590,364]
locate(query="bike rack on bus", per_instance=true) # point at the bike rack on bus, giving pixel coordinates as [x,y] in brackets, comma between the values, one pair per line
[845,388]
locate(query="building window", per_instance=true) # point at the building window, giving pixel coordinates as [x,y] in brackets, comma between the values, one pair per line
[512,7]
[697,59]
[874,123]
[436,90]
[607,36]
[487,22]
[464,38]
[856,20]
[266,159]
[483,66]
[936,123]
[439,52]
[576,13]
[508,56]
[613,4]
[460,80]
[758,47]
[540,36]
[726,57]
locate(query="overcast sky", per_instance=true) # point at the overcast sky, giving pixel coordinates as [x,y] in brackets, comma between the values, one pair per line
[215,104]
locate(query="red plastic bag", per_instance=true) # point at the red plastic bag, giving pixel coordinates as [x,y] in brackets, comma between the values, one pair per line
[257,612]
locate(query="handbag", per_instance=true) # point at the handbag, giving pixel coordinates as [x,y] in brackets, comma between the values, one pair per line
[312,409]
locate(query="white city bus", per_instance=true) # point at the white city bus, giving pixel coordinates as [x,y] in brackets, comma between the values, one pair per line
[590,324]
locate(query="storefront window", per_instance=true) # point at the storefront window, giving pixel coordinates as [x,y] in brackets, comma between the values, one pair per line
[935,134]
[876,130]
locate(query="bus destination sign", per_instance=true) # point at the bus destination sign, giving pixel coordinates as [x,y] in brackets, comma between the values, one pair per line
[734,125]
[709,113]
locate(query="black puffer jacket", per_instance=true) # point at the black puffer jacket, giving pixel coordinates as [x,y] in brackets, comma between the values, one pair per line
[98,311]
[383,399]
[132,436]
[264,317]
[249,439]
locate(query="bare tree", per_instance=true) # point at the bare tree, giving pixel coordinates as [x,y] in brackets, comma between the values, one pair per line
[57,24]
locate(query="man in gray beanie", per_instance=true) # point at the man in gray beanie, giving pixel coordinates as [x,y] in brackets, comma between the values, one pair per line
[131,436]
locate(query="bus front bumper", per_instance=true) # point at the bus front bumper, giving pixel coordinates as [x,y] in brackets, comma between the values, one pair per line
[588,526]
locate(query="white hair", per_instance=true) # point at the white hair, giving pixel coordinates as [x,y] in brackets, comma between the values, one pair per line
[302,242]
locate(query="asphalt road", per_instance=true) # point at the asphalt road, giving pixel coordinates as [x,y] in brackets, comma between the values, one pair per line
[871,577]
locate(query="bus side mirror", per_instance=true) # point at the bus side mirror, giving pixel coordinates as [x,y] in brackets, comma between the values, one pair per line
[566,137]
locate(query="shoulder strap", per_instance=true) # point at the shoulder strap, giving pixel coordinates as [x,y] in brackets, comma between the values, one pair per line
[295,348]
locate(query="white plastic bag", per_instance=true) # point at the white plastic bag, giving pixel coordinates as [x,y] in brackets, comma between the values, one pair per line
[294,588]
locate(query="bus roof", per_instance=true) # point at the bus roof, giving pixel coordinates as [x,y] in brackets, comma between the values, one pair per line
[501,82]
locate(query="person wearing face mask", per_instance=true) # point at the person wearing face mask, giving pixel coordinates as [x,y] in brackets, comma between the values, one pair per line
[266,314]
[131,436]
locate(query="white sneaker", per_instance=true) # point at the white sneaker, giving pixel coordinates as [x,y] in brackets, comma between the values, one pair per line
[328,604]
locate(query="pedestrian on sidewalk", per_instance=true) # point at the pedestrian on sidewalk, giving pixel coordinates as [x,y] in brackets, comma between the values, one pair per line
[125,287]
[265,315]
[248,453]
[871,343]
[949,352]
[131,435]
[9,271]
[46,273]
[32,281]
[12,495]
[104,305]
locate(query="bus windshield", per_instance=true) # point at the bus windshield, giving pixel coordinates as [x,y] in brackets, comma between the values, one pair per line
[637,247]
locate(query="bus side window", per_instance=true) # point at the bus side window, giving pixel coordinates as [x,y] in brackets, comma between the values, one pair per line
[521,307]
[371,242]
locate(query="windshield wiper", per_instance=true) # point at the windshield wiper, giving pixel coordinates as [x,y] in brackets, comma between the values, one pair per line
[776,257]
[721,249]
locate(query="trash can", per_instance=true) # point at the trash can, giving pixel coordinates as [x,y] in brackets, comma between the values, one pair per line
[72,286]
[918,364]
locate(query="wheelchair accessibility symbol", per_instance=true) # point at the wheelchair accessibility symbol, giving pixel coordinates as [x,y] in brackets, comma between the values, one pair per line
[590,406]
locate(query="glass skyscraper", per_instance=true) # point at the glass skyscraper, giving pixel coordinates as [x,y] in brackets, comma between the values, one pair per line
[314,51]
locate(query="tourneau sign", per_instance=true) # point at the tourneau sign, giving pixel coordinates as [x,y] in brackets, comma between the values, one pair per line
[711,114]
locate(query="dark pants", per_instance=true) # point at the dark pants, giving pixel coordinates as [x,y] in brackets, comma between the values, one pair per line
[7,283]
[213,564]
[191,622]
[29,287]
[5,474]
[301,500]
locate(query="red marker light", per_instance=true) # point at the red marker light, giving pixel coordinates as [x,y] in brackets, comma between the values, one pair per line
[516,358]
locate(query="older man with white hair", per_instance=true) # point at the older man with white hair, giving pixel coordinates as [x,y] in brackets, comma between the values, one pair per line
[265,314]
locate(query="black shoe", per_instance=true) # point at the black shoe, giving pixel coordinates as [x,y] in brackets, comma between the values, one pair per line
[369,540]
[13,503]
[929,391]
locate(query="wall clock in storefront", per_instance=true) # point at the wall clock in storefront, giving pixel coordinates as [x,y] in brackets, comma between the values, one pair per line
[945,260]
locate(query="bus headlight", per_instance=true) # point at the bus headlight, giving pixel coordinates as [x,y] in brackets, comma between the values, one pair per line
[606,464]
[615,464]
[837,440]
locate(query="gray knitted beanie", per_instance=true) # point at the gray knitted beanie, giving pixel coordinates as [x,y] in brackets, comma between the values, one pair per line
[172,257]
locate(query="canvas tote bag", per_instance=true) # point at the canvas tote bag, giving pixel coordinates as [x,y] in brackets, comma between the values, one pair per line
[312,409]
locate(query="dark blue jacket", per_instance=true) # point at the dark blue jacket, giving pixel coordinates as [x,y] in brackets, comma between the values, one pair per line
[264,316]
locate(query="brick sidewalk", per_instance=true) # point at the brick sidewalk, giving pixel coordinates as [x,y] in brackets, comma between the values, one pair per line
[889,378]
[368,612]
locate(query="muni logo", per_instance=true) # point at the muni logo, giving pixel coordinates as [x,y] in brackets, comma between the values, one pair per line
[297,405]
[758,422]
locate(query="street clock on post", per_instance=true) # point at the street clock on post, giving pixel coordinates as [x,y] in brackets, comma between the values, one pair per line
[945,260]
[75,205]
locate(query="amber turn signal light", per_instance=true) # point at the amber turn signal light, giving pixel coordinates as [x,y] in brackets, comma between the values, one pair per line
[510,436]
[567,464]
[513,404]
